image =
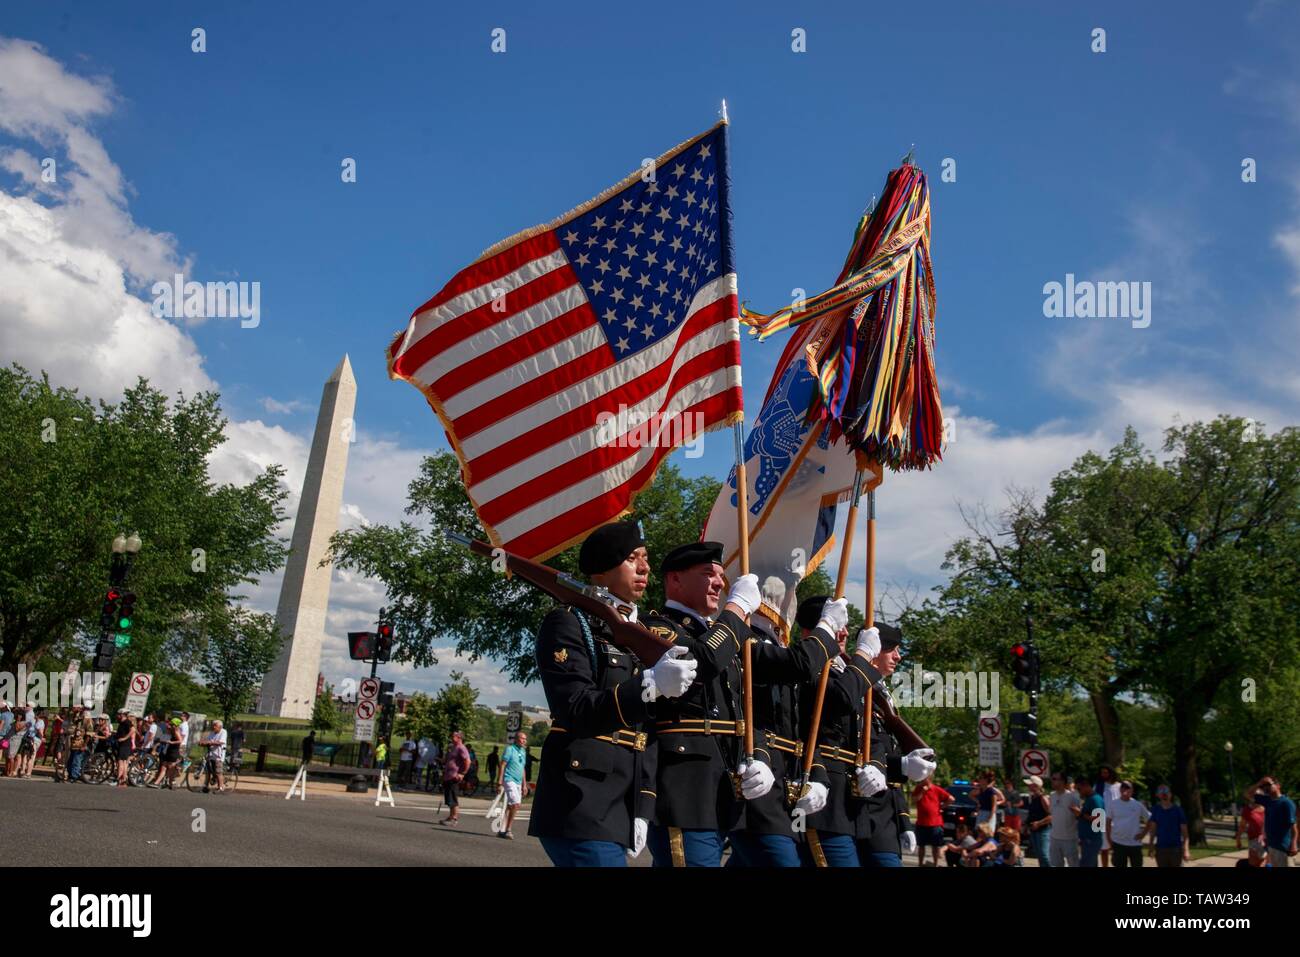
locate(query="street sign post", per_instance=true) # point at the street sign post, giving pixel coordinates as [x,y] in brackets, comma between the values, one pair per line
[1036,761]
[138,693]
[990,727]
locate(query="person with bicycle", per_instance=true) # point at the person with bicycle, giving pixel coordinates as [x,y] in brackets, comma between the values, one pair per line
[171,756]
[216,745]
[124,744]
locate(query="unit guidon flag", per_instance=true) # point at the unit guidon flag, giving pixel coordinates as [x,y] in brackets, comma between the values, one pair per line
[567,361]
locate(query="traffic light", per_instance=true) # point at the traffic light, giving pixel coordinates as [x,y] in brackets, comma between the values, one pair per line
[384,641]
[1024,727]
[1024,663]
[108,613]
[125,619]
[361,645]
[104,656]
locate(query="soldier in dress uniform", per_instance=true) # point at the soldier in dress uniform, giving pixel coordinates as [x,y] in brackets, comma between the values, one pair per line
[595,792]
[764,836]
[830,805]
[699,735]
[884,826]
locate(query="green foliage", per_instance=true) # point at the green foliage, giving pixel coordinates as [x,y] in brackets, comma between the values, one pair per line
[239,647]
[438,590]
[325,714]
[418,721]
[1143,581]
[74,474]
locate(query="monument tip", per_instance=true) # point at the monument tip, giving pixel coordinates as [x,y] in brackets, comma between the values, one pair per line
[341,371]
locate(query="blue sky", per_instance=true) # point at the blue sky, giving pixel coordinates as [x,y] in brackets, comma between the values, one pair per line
[1119,165]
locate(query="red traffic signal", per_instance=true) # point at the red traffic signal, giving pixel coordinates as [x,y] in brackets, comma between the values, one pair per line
[1024,664]
[361,645]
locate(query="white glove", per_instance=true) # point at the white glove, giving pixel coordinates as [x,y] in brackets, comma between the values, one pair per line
[917,765]
[640,827]
[871,780]
[869,642]
[837,665]
[814,800]
[756,779]
[671,675]
[744,592]
[909,842]
[835,616]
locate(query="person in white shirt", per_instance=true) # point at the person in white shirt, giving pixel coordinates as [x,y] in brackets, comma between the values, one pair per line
[405,761]
[1125,826]
[1063,846]
[1108,788]
[216,745]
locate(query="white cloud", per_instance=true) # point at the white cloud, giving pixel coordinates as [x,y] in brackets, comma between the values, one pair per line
[65,308]
[43,103]
[67,264]
[276,407]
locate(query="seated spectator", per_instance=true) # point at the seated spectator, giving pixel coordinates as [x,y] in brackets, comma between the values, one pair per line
[1009,854]
[984,851]
[954,851]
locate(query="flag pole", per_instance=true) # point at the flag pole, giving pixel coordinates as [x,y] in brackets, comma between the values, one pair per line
[742,497]
[864,755]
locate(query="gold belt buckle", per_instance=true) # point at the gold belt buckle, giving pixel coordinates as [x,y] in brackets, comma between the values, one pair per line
[640,741]
[798,749]
[740,727]
[707,725]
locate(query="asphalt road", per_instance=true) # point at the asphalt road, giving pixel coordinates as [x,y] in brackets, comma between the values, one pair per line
[99,826]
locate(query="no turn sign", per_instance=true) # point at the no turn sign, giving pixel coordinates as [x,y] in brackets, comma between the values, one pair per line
[365,710]
[368,689]
[990,727]
[138,692]
[1035,761]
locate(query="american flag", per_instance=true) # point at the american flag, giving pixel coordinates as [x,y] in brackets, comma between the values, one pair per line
[544,356]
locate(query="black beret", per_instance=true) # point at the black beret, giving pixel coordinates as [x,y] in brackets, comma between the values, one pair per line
[891,636]
[608,546]
[688,556]
[810,611]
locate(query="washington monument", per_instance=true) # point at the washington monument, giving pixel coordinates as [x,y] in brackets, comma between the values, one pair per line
[289,688]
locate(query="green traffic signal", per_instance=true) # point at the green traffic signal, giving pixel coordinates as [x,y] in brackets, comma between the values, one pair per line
[122,641]
[124,624]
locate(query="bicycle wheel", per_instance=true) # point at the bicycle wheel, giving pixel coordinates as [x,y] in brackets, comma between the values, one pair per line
[232,777]
[196,776]
[138,770]
[101,768]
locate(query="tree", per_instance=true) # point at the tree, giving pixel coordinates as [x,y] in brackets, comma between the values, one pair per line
[437,589]
[452,709]
[418,721]
[324,712]
[74,474]
[241,645]
[1174,581]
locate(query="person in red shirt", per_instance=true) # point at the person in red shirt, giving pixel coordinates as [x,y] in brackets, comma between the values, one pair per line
[930,800]
[1252,825]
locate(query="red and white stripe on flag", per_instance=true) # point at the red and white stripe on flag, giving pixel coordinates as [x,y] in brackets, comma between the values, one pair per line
[568,361]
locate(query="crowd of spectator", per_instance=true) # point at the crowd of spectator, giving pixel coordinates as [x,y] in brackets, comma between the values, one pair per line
[1089,823]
